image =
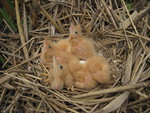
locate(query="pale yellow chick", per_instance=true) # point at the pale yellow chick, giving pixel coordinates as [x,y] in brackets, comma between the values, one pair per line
[81,46]
[61,77]
[100,69]
[47,52]
[82,77]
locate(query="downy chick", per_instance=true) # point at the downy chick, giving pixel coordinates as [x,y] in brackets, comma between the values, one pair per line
[99,69]
[64,45]
[61,76]
[82,77]
[61,50]
[57,81]
[47,50]
[62,57]
[81,46]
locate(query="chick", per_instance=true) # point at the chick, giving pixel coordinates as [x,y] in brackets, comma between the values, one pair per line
[82,77]
[81,46]
[64,45]
[57,81]
[47,52]
[62,56]
[61,50]
[61,76]
[99,69]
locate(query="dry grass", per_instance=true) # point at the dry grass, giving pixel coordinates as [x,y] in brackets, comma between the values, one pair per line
[122,35]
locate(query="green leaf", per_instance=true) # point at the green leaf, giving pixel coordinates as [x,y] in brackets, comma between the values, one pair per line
[129,6]
[7,18]
[2,59]
[1,18]
[148,34]
[11,5]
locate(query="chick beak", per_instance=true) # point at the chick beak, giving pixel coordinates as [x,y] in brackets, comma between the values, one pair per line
[71,29]
[56,70]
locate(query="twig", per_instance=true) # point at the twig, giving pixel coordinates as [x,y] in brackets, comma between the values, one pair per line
[139,36]
[109,14]
[51,19]
[113,90]
[3,52]
[24,62]
[142,14]
[22,38]
[132,22]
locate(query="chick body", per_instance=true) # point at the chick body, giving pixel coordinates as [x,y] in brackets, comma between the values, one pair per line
[82,77]
[61,76]
[81,46]
[47,52]
[99,69]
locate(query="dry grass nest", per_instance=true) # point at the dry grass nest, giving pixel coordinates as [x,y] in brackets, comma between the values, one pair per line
[120,33]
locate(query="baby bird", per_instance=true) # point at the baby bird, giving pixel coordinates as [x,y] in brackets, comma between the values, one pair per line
[99,69]
[62,57]
[61,76]
[61,50]
[57,82]
[81,46]
[82,77]
[64,45]
[47,52]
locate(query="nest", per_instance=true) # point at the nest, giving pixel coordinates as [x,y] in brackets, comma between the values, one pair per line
[121,33]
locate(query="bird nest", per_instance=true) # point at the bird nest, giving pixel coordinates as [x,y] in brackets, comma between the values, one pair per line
[120,31]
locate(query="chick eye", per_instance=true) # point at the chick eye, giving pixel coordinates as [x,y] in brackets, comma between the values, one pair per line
[49,47]
[61,67]
[76,32]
